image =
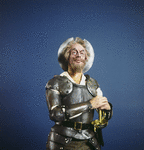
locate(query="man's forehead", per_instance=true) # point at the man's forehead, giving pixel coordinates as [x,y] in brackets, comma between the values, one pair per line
[77,46]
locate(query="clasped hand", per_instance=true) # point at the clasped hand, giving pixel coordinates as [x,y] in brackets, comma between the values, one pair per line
[100,102]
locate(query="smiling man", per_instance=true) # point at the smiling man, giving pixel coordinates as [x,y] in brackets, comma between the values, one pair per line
[72,98]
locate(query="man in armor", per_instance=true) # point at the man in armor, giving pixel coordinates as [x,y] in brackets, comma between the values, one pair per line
[72,98]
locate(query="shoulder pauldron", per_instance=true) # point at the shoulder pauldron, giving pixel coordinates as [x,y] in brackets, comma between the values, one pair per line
[61,84]
[92,85]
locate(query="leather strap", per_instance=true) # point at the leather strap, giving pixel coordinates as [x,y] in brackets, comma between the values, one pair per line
[76,125]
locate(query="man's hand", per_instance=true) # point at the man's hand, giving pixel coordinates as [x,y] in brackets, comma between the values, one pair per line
[100,103]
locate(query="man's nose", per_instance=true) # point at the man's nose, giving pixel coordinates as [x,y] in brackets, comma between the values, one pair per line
[78,54]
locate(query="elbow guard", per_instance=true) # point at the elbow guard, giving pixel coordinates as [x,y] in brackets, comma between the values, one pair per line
[57,114]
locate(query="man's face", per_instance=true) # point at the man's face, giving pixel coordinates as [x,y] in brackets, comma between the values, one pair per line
[77,59]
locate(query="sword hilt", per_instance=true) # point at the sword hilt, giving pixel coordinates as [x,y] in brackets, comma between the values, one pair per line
[101,121]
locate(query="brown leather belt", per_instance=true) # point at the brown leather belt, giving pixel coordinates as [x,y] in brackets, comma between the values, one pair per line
[76,125]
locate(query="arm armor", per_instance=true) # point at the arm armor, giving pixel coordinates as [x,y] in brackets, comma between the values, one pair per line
[77,109]
[53,99]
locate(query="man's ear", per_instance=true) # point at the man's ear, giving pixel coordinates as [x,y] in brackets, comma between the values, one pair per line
[86,57]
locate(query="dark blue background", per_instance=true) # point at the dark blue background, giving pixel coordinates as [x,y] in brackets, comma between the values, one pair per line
[31,33]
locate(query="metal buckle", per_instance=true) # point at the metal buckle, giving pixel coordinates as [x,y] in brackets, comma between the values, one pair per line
[78,125]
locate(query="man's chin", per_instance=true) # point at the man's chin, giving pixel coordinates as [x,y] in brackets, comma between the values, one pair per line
[78,68]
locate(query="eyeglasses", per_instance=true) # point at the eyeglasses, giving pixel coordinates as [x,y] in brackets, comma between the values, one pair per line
[76,52]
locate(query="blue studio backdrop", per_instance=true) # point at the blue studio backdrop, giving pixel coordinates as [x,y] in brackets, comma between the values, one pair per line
[31,33]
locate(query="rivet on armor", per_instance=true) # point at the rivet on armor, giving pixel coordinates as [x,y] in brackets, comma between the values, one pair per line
[66,140]
[61,147]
